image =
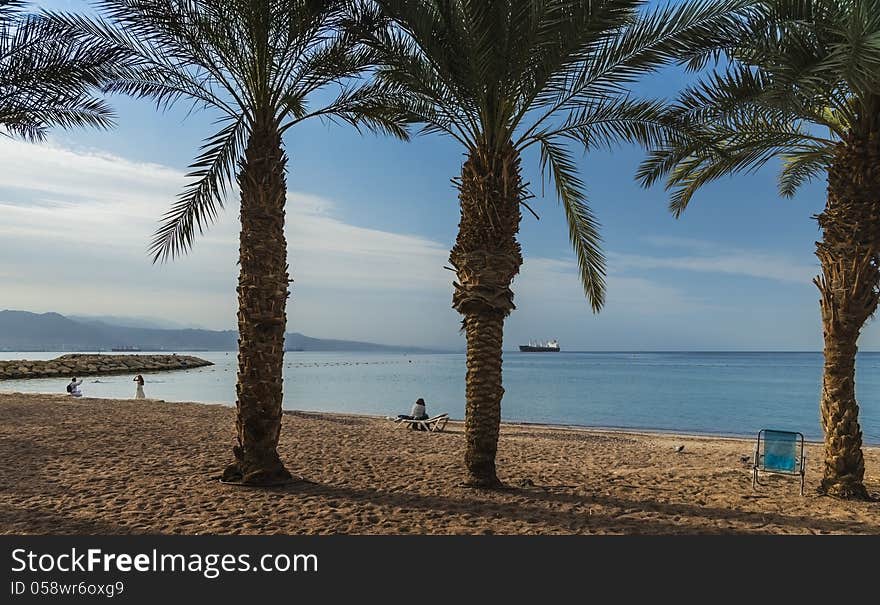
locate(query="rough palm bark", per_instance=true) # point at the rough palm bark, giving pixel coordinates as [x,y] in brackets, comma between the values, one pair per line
[262,299]
[849,253]
[486,257]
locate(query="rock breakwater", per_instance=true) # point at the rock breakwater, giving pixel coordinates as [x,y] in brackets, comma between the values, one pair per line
[81,364]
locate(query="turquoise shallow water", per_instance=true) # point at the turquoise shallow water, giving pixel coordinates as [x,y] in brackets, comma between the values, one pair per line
[723,393]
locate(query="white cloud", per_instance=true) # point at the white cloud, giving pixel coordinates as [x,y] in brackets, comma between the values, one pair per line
[68,175]
[78,224]
[730,261]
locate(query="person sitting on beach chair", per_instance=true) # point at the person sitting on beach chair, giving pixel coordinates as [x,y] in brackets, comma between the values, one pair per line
[73,387]
[419,420]
[419,412]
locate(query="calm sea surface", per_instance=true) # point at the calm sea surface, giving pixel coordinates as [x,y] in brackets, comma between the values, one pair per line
[724,393]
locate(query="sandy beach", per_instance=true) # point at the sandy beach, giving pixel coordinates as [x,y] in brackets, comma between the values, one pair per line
[109,466]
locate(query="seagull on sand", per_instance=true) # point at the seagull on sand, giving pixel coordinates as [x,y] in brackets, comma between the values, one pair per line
[679,449]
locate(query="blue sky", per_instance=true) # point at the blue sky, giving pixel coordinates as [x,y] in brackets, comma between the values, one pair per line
[370,222]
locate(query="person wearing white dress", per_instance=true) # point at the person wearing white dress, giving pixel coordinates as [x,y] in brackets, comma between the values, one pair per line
[139,394]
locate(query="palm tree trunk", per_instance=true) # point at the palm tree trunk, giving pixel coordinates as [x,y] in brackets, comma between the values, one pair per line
[486,257]
[848,286]
[262,298]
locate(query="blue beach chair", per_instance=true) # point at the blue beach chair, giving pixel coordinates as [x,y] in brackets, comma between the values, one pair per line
[779,452]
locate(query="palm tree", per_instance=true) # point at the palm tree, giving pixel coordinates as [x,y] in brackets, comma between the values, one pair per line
[803,86]
[502,76]
[257,64]
[48,76]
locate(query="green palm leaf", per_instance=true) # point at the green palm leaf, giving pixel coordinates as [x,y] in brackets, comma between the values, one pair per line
[800,69]
[49,77]
[197,206]
[583,228]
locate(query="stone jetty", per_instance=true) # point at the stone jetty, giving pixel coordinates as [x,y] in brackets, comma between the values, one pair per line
[80,364]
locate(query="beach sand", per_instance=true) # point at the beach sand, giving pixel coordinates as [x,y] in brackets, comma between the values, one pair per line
[105,466]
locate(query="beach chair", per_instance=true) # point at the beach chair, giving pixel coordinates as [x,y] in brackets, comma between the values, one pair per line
[779,452]
[435,424]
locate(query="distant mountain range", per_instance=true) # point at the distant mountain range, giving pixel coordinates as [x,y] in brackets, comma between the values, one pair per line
[133,322]
[24,331]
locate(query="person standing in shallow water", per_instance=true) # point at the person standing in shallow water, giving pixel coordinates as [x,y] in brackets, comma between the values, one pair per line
[139,394]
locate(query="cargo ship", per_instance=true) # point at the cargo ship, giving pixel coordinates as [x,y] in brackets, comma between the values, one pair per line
[551,346]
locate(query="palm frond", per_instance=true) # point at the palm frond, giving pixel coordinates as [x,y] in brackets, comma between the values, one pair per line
[672,33]
[49,77]
[800,67]
[371,106]
[700,153]
[607,122]
[425,68]
[583,228]
[800,167]
[197,207]
[167,50]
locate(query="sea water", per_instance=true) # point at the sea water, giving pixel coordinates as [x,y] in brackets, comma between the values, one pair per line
[708,393]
